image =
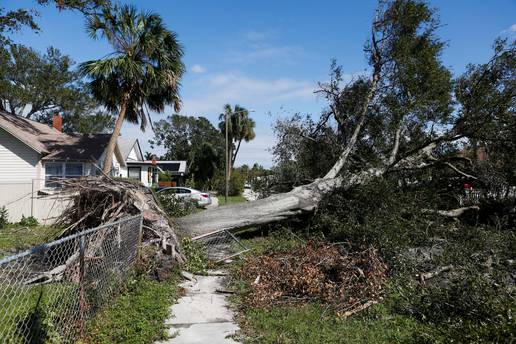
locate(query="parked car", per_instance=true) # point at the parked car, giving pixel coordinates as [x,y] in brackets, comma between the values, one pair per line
[201,198]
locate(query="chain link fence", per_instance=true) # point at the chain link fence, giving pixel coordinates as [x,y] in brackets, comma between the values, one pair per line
[220,245]
[49,292]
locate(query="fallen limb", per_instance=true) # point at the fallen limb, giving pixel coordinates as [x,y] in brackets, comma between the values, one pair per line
[454,213]
[359,308]
[428,275]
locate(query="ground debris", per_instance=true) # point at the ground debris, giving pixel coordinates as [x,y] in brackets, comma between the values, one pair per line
[317,271]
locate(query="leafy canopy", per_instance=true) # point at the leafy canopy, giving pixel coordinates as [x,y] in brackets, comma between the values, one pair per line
[145,68]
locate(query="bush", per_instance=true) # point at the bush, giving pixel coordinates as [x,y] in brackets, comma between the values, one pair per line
[174,206]
[28,221]
[236,184]
[4,217]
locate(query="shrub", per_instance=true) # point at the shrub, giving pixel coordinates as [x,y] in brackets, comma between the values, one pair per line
[4,217]
[174,206]
[28,221]
[236,184]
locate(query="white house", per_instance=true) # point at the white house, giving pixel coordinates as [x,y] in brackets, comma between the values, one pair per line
[137,167]
[33,155]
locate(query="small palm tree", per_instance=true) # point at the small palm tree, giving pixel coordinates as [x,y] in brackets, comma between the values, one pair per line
[240,128]
[141,74]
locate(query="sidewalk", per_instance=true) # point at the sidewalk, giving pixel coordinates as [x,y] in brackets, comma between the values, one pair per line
[202,315]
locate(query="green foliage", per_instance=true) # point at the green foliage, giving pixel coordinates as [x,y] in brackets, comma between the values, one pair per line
[29,221]
[12,21]
[4,217]
[145,71]
[196,259]
[164,176]
[473,302]
[195,140]
[240,128]
[46,82]
[175,206]
[235,185]
[138,315]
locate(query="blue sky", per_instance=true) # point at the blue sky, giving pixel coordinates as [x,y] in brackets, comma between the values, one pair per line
[269,55]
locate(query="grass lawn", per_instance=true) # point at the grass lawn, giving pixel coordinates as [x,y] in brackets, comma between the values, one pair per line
[231,199]
[312,323]
[137,316]
[18,237]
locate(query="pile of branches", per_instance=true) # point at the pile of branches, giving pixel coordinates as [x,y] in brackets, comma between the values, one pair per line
[98,201]
[318,271]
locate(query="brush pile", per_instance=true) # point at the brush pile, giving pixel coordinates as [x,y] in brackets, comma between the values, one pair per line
[348,282]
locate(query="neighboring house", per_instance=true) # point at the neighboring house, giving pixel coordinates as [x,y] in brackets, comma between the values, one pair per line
[137,168]
[176,169]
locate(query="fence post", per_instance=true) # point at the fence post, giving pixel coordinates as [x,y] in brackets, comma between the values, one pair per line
[32,198]
[140,239]
[82,296]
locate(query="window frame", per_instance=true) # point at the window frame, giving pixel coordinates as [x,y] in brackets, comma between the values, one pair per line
[139,172]
[62,172]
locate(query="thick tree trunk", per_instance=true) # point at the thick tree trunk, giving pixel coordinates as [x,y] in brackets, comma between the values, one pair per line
[108,159]
[301,200]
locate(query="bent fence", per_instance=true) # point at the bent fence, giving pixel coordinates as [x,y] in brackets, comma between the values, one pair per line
[220,246]
[49,292]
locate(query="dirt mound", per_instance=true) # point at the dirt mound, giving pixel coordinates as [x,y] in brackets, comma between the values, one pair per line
[317,271]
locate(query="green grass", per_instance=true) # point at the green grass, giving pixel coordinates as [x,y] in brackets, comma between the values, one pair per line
[231,199]
[312,323]
[138,315]
[37,312]
[18,237]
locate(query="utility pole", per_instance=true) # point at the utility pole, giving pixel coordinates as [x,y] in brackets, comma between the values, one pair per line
[227,159]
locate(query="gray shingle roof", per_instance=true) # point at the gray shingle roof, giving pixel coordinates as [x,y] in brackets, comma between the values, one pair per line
[51,143]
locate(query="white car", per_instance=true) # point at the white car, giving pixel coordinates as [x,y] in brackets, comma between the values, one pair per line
[201,198]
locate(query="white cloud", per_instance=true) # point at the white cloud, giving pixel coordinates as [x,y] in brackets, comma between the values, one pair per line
[198,69]
[212,91]
[510,29]
[258,45]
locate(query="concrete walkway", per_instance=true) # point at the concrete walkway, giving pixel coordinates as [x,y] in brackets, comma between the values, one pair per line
[202,315]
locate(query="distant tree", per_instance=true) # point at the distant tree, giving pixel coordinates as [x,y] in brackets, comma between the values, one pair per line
[33,85]
[142,73]
[193,139]
[240,128]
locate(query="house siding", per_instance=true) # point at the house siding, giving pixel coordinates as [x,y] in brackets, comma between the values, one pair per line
[18,162]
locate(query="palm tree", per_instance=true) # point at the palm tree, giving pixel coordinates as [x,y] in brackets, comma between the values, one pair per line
[141,74]
[240,128]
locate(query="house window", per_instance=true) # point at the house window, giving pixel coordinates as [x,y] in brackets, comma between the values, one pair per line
[59,170]
[53,172]
[73,169]
[134,173]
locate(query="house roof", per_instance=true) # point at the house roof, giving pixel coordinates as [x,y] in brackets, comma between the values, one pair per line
[51,143]
[173,166]
[126,145]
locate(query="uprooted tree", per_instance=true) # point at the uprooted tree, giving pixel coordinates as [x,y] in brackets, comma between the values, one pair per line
[407,115]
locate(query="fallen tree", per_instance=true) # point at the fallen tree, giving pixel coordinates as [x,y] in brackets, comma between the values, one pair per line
[400,119]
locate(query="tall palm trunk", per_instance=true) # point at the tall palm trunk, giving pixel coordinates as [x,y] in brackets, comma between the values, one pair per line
[108,159]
